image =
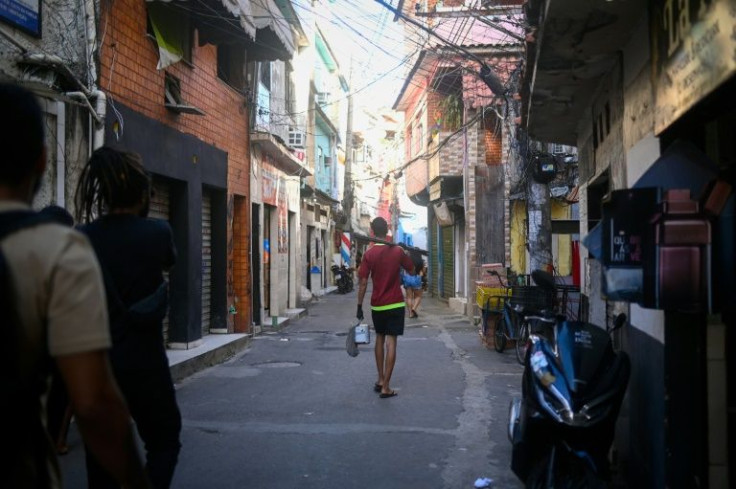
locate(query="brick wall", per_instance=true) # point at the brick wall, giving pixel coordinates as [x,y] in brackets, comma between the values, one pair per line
[128,74]
[492,143]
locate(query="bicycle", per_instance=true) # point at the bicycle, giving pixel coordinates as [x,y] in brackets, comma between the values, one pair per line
[520,305]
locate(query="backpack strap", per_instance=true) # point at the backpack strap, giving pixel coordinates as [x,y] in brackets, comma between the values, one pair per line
[21,401]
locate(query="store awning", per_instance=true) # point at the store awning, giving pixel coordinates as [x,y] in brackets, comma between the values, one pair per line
[225,20]
[274,37]
[260,26]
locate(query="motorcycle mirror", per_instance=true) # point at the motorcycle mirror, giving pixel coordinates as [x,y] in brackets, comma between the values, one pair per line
[618,322]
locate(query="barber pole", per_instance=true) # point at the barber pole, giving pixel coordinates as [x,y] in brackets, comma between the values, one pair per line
[345,248]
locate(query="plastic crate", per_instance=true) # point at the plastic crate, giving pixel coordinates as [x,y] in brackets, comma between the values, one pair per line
[491,298]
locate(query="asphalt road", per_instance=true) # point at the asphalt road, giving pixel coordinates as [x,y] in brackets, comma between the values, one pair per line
[295,411]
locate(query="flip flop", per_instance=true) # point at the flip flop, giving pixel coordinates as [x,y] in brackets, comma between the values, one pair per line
[388,394]
[377,388]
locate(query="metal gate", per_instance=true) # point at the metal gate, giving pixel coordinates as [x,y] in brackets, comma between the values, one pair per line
[448,261]
[206,261]
[160,209]
[434,254]
[267,247]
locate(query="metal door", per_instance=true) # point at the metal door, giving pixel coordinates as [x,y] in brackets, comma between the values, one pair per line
[160,209]
[256,262]
[206,261]
[267,247]
[434,254]
[448,261]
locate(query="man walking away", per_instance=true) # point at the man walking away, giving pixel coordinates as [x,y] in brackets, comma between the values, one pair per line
[134,252]
[57,312]
[383,264]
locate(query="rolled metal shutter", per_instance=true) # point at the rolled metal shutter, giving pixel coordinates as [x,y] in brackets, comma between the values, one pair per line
[434,259]
[160,209]
[448,261]
[206,261]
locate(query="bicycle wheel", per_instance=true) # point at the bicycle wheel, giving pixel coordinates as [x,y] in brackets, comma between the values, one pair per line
[499,336]
[522,341]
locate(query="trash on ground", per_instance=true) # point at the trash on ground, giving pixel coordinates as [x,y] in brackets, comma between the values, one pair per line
[483,482]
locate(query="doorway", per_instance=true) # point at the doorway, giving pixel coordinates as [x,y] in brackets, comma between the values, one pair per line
[255,254]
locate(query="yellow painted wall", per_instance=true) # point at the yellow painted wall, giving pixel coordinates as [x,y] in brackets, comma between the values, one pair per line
[518,236]
[563,258]
[563,248]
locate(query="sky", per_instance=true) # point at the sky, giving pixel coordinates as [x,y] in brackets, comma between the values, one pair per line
[370,37]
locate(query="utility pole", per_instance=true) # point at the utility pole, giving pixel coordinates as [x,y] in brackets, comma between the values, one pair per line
[347,201]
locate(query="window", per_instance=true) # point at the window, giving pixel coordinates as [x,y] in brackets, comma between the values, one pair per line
[173,99]
[264,75]
[419,143]
[289,88]
[231,65]
[172,87]
[173,32]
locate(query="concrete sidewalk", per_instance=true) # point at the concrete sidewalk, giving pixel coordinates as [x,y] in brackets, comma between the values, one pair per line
[217,348]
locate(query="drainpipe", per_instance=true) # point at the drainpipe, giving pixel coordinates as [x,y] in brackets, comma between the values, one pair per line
[98,139]
[101,111]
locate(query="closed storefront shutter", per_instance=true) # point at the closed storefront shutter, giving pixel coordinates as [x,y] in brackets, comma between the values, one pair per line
[434,261]
[206,261]
[160,210]
[448,267]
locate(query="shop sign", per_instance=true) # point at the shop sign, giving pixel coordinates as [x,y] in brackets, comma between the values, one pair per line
[274,193]
[270,185]
[692,53]
[23,14]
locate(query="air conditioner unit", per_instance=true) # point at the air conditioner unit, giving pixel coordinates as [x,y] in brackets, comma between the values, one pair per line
[297,139]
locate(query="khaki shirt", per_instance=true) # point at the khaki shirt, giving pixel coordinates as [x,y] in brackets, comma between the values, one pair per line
[60,298]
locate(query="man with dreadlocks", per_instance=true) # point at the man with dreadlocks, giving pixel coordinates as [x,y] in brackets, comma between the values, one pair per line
[134,252]
[54,310]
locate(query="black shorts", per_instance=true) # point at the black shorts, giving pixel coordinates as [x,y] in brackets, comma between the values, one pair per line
[389,322]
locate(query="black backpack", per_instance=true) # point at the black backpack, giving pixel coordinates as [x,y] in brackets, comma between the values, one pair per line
[18,403]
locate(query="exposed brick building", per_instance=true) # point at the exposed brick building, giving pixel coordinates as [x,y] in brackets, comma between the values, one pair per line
[190,122]
[458,140]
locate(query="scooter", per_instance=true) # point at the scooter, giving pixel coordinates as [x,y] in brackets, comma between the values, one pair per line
[563,426]
[343,278]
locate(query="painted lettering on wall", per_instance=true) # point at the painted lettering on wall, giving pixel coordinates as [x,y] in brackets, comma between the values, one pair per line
[692,53]
[273,190]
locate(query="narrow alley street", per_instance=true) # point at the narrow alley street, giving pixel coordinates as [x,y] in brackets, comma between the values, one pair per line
[295,411]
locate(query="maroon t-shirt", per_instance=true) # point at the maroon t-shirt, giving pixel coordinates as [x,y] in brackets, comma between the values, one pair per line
[383,263]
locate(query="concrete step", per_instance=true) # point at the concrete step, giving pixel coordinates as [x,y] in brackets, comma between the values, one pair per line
[213,349]
[295,314]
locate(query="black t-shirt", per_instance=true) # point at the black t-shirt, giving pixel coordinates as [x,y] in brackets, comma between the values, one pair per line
[133,252]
